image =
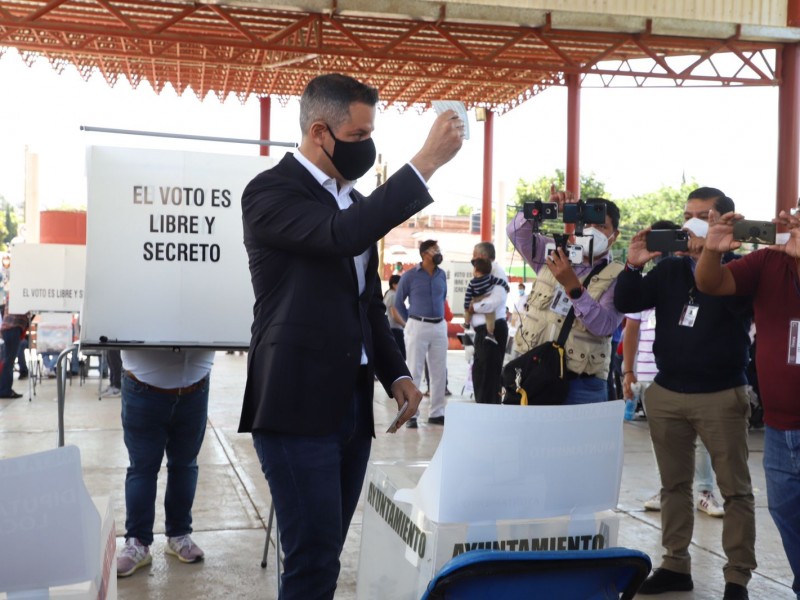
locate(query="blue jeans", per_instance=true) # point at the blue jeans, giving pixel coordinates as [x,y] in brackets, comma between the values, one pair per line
[782,468]
[587,390]
[315,484]
[11,339]
[152,423]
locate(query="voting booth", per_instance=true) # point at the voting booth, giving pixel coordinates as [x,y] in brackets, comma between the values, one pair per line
[166,265]
[513,478]
[60,542]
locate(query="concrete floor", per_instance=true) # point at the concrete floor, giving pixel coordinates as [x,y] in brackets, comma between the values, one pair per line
[232,503]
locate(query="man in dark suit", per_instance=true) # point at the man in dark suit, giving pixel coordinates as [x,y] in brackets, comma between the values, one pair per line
[311,365]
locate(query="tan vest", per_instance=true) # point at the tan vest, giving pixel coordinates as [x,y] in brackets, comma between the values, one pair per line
[585,352]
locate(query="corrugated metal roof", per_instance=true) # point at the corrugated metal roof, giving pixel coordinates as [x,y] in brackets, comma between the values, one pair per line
[413,52]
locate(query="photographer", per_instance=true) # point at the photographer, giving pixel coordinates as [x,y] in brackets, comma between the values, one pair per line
[771,276]
[693,396]
[558,287]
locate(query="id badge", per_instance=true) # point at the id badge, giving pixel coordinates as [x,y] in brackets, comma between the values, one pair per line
[689,315]
[561,302]
[794,343]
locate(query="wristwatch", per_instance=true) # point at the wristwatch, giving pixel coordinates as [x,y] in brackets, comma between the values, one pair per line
[576,292]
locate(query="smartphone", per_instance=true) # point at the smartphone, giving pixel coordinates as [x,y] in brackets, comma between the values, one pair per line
[754,232]
[573,251]
[540,211]
[584,213]
[393,425]
[667,240]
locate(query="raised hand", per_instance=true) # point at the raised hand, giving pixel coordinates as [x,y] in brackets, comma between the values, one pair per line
[792,223]
[638,254]
[443,143]
[720,234]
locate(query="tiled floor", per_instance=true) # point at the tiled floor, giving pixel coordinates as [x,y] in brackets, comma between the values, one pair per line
[232,503]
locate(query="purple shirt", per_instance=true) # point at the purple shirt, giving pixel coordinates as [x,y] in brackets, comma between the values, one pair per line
[598,316]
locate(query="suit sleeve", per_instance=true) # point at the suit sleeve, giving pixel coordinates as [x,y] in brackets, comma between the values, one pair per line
[280,212]
[389,363]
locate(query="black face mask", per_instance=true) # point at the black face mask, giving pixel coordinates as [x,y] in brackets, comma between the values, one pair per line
[437,259]
[352,159]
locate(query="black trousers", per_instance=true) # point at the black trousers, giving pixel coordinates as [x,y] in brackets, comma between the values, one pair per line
[487,365]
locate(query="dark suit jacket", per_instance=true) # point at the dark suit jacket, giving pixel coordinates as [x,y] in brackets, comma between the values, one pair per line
[309,322]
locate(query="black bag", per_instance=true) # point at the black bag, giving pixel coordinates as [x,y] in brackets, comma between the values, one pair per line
[542,371]
[542,375]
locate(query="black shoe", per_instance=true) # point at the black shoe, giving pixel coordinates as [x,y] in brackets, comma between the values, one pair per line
[734,591]
[664,580]
[447,392]
[22,376]
[412,423]
[12,394]
[436,420]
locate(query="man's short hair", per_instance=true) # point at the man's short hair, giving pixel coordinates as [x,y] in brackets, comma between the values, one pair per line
[427,245]
[393,280]
[665,224]
[482,265]
[722,204]
[486,249]
[328,98]
[612,210]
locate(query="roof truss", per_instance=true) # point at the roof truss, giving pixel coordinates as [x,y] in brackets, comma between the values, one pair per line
[246,51]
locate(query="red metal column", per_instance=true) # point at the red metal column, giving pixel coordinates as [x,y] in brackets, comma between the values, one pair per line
[486,204]
[266,109]
[788,132]
[573,175]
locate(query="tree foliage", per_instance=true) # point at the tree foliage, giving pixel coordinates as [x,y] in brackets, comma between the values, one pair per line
[8,225]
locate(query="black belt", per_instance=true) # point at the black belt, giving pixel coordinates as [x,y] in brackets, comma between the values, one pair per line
[425,319]
[571,375]
[171,391]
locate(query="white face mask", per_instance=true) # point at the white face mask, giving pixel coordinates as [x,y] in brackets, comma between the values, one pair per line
[697,227]
[600,241]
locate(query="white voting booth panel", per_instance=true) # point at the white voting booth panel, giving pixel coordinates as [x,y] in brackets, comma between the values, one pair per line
[47,278]
[503,477]
[459,274]
[166,265]
[61,543]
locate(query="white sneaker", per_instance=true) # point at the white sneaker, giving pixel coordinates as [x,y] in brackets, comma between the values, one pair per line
[132,556]
[110,392]
[184,549]
[709,505]
[653,503]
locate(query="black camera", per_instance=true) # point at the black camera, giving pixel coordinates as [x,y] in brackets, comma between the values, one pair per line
[667,240]
[754,232]
[540,211]
[588,214]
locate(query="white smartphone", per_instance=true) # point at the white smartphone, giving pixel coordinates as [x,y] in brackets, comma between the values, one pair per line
[393,425]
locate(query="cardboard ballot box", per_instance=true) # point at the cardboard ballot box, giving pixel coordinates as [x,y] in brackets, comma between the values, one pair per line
[59,543]
[506,477]
[402,549]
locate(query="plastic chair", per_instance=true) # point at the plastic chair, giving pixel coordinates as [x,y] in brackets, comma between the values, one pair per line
[570,575]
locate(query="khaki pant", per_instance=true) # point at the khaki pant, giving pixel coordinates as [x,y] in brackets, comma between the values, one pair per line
[721,421]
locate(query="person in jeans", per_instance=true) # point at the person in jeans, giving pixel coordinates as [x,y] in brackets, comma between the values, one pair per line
[164,409]
[772,276]
[14,328]
[700,390]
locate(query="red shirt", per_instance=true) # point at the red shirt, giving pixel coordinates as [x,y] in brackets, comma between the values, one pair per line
[770,276]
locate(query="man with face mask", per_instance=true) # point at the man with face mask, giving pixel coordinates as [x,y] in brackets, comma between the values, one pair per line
[693,397]
[559,287]
[425,288]
[312,366]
